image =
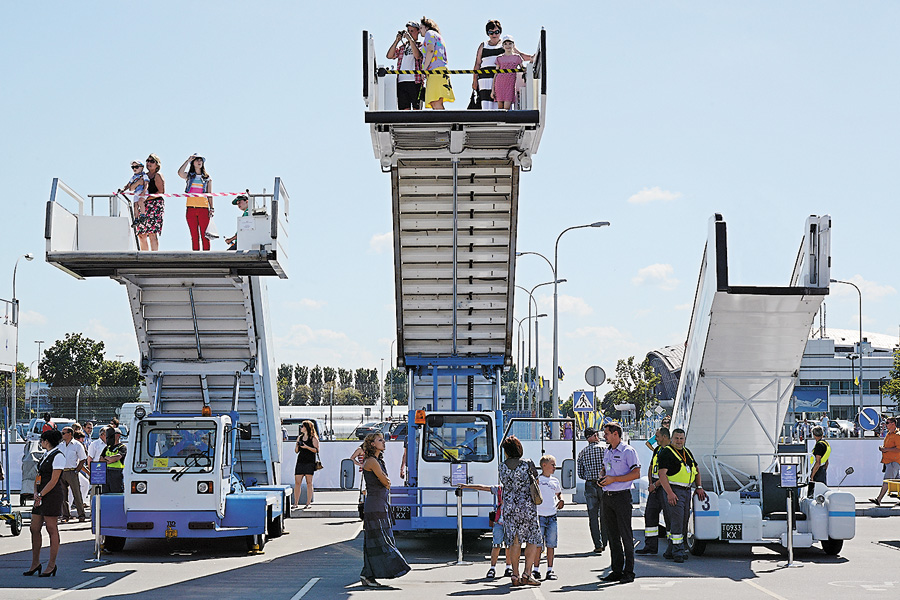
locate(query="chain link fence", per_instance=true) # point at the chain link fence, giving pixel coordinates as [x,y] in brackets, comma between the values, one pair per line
[81,403]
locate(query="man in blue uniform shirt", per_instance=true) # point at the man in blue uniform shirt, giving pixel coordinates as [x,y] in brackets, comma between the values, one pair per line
[622,467]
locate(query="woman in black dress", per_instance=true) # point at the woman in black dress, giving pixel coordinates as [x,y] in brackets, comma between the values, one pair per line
[306,448]
[48,502]
[380,555]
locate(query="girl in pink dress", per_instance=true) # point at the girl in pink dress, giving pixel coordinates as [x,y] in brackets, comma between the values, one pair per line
[504,92]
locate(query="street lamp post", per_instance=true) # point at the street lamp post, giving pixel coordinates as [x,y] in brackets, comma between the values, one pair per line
[555,397]
[859,348]
[537,359]
[391,376]
[531,296]
[15,322]
[852,357]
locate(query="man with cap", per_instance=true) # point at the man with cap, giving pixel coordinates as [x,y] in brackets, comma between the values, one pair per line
[622,467]
[409,58]
[242,202]
[656,498]
[678,471]
[114,457]
[590,469]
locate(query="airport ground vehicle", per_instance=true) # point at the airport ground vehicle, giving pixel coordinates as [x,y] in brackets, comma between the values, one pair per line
[743,353]
[204,461]
[455,192]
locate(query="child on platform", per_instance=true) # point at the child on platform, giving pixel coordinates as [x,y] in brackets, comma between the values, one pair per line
[496,524]
[137,184]
[551,492]
[504,91]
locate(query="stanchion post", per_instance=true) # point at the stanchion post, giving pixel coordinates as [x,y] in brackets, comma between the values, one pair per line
[459,529]
[98,479]
[790,527]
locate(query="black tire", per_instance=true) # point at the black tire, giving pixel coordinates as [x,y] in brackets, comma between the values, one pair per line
[695,546]
[114,543]
[832,547]
[16,524]
[276,527]
[252,541]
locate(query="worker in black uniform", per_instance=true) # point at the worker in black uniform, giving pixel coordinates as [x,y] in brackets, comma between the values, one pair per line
[678,472]
[656,499]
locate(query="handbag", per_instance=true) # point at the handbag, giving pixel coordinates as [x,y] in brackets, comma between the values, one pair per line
[534,488]
[474,103]
[319,466]
[212,232]
[361,504]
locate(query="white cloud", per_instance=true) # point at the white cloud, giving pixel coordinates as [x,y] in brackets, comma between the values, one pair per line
[653,194]
[574,305]
[381,242]
[115,341]
[607,338]
[305,345]
[31,317]
[658,274]
[871,290]
[685,306]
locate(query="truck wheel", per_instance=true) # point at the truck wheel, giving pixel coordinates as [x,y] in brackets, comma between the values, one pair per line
[276,526]
[832,547]
[114,543]
[253,540]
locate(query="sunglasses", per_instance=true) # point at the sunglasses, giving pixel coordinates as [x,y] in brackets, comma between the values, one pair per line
[136,166]
[150,160]
[495,32]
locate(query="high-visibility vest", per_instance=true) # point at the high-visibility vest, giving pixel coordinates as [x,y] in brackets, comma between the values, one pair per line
[114,465]
[824,461]
[685,475]
[654,463]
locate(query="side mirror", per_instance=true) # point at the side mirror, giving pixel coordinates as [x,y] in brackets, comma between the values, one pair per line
[567,474]
[245,430]
[348,471]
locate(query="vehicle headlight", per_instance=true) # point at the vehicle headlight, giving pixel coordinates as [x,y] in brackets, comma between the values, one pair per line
[138,487]
[204,487]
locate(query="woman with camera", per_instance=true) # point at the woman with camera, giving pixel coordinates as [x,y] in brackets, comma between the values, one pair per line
[409,58]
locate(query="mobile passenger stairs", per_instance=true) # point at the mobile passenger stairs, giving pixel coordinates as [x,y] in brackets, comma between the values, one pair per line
[455,191]
[205,462]
[743,354]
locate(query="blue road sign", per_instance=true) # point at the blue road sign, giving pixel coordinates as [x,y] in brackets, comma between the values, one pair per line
[868,419]
[583,402]
[98,473]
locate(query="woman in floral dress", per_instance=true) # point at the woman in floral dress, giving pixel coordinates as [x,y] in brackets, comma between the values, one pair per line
[520,522]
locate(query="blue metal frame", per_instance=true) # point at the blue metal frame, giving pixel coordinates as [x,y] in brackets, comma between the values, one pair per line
[412,497]
[453,367]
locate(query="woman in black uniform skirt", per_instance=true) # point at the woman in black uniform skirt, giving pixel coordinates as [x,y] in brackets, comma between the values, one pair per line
[306,448]
[48,502]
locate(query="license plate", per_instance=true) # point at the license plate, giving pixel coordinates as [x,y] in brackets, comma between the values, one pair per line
[401,513]
[732,531]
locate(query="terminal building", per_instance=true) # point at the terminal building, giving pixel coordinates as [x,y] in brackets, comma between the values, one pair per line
[831,360]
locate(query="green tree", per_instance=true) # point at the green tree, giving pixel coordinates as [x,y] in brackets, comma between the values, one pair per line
[301,375]
[608,404]
[348,396]
[302,396]
[6,385]
[565,408]
[315,384]
[73,361]
[634,384]
[329,374]
[345,378]
[285,379]
[395,386]
[891,387]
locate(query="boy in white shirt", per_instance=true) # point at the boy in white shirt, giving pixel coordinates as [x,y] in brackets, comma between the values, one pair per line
[551,492]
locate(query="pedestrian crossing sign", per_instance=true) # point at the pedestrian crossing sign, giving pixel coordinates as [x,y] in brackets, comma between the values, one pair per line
[583,402]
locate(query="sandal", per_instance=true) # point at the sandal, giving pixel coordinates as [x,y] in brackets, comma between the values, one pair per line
[491,574]
[527,580]
[514,581]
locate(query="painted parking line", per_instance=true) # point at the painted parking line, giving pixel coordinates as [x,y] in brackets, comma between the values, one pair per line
[537,594]
[72,589]
[305,588]
[764,590]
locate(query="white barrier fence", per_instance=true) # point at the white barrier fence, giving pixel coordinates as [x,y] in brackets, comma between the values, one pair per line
[862,455]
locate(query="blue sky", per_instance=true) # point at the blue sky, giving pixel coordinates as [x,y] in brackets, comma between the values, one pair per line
[659,115]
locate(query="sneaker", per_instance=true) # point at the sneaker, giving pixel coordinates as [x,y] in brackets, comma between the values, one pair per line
[645,550]
[550,574]
[679,559]
[536,574]
[627,579]
[491,574]
[613,576]
[508,571]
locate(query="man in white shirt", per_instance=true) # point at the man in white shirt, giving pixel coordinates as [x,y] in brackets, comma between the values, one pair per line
[76,458]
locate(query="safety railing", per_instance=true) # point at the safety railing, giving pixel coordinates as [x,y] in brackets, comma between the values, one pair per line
[416,506]
[380,91]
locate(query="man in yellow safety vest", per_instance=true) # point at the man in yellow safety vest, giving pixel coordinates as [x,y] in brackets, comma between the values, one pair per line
[678,471]
[820,454]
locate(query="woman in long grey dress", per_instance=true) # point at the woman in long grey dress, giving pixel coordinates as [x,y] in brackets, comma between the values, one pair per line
[381,558]
[520,522]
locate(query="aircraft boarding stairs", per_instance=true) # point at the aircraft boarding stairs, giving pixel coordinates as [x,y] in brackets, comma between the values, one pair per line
[743,354]
[455,191]
[201,318]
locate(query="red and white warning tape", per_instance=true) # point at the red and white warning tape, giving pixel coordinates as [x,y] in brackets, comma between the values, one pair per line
[191,195]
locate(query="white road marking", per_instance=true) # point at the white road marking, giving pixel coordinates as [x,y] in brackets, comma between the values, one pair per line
[764,590]
[305,588]
[537,593]
[657,585]
[72,589]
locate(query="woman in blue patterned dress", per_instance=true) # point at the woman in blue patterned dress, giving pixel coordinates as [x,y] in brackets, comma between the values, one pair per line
[380,555]
[520,522]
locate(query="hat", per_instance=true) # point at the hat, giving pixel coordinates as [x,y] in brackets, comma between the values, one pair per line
[413,23]
[589,432]
[507,38]
[137,163]
[239,198]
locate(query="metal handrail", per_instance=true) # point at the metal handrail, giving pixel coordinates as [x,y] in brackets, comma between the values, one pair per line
[420,504]
[58,184]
